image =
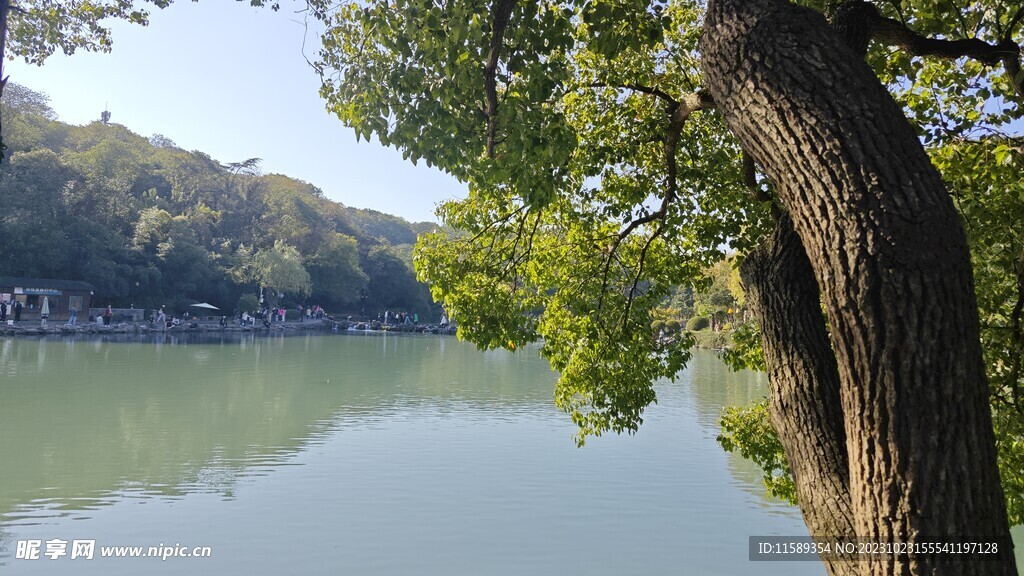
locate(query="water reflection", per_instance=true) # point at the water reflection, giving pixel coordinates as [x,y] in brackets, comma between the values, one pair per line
[378,454]
[175,415]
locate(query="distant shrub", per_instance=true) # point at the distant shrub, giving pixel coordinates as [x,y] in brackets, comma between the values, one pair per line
[698,323]
[657,326]
[673,326]
[290,314]
[712,340]
[248,303]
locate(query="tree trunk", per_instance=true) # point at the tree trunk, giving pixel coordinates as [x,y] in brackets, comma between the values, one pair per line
[804,405]
[5,11]
[889,253]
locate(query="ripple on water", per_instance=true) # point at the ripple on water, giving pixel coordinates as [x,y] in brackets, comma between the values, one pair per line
[373,455]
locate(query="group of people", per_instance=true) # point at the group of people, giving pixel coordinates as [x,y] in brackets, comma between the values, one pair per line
[389,317]
[163,320]
[11,308]
[270,315]
[314,312]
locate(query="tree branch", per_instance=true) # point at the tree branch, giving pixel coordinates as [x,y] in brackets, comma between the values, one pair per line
[858,22]
[639,272]
[502,11]
[498,221]
[891,32]
[678,112]
[637,88]
[1016,19]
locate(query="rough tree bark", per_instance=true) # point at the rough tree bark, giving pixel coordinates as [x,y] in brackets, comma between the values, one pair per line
[804,404]
[5,10]
[890,256]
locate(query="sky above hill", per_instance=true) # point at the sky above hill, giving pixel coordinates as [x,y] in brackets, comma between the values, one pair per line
[233,81]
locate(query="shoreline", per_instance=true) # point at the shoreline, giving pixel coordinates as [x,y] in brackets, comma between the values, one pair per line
[24,328]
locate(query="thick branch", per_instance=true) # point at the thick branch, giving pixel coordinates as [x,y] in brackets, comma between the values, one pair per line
[858,22]
[891,32]
[502,11]
[678,113]
[805,407]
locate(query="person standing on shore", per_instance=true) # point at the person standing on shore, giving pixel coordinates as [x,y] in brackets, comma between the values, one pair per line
[3,311]
[18,306]
[73,318]
[107,315]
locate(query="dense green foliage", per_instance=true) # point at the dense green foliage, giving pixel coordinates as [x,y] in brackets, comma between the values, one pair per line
[591,202]
[542,254]
[698,323]
[748,430]
[149,223]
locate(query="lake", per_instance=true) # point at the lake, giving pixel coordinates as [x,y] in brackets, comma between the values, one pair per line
[363,454]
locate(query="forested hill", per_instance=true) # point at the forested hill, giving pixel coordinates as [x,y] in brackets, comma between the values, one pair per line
[149,223]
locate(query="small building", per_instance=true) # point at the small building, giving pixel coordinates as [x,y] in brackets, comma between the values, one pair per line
[62,295]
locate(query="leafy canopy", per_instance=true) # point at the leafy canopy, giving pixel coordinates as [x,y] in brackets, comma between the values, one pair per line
[281,269]
[543,250]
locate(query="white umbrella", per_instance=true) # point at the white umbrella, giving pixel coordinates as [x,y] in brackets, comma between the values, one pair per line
[46,307]
[204,305]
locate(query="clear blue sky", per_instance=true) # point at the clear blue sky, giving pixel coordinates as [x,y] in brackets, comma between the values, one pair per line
[230,80]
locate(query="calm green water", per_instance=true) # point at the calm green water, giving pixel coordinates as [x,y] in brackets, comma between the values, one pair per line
[363,455]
